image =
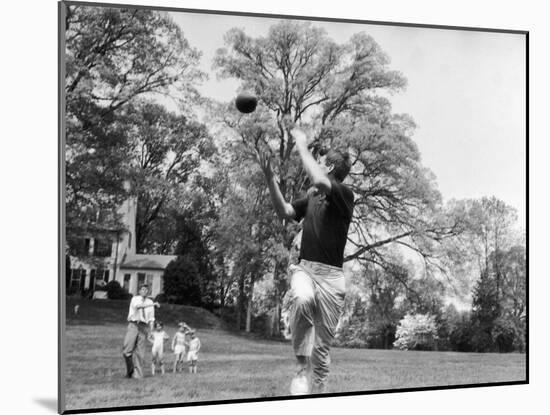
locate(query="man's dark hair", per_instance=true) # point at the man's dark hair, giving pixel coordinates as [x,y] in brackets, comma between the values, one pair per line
[341,162]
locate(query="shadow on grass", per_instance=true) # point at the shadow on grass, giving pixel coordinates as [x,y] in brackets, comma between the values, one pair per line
[47,403]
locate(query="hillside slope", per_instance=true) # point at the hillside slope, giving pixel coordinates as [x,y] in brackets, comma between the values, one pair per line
[116,311]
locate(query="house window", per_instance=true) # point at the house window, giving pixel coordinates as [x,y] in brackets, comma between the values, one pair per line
[150,282]
[102,247]
[100,276]
[78,277]
[103,275]
[126,283]
[79,247]
[75,278]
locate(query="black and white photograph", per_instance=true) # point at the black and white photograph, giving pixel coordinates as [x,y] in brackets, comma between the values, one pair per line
[275,207]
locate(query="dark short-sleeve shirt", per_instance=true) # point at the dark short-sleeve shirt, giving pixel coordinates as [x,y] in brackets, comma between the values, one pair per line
[326,224]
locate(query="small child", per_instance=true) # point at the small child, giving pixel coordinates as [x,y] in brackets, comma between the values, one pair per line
[178,344]
[193,353]
[158,336]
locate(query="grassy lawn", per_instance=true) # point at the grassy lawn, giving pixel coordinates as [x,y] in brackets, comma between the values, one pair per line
[235,367]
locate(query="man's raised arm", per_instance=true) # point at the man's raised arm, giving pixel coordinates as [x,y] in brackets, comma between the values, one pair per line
[282,207]
[318,177]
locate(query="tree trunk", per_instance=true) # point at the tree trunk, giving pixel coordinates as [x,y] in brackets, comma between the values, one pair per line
[249,308]
[222,297]
[276,329]
[248,315]
[240,300]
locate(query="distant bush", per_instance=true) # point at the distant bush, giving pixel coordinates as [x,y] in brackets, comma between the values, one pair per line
[116,292]
[416,332]
[161,298]
[352,333]
[508,335]
[461,335]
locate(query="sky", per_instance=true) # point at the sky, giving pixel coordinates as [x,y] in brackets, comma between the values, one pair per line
[466,92]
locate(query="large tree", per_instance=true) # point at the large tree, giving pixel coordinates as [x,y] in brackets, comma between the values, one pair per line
[489,258]
[339,92]
[113,56]
[487,230]
[244,232]
[166,151]
[382,312]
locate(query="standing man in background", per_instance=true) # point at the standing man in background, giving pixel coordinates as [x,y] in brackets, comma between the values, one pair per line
[141,319]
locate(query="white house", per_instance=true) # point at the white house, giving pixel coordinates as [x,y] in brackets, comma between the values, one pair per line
[99,261]
[136,269]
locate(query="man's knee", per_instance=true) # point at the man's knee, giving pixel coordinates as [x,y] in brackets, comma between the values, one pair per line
[302,288]
[127,348]
[304,301]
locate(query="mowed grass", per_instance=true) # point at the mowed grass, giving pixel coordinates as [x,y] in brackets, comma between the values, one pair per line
[232,366]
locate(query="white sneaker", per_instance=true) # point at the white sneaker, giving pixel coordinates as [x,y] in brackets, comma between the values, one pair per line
[300,383]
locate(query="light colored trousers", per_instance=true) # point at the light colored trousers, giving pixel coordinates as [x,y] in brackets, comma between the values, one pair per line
[134,345]
[317,294]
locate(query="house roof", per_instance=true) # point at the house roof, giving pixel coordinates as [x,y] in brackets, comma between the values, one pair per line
[145,261]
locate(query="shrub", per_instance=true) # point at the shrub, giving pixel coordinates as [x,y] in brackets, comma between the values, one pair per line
[161,298]
[416,332]
[504,335]
[116,292]
[461,336]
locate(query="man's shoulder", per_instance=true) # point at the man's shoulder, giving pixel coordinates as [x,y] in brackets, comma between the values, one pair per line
[342,187]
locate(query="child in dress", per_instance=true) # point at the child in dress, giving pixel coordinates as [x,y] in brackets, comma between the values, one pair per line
[194,345]
[158,336]
[178,344]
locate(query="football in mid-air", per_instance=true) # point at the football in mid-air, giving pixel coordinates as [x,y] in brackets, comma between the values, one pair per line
[246,103]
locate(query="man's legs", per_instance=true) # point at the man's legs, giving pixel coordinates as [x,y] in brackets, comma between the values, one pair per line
[302,313]
[139,351]
[129,346]
[330,303]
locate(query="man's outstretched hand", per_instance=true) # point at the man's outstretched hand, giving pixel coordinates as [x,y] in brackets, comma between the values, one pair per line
[265,164]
